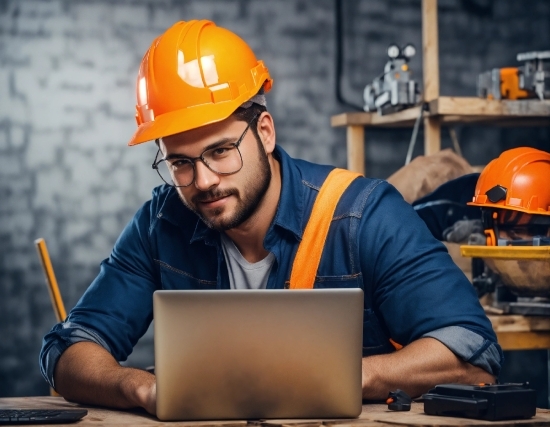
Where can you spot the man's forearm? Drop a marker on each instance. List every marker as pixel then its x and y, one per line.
pixel 87 373
pixel 416 368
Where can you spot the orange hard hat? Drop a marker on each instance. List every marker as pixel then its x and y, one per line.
pixel 194 74
pixel 519 179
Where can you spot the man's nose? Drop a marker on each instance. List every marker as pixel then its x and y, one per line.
pixel 205 179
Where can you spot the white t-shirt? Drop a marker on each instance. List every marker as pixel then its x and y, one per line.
pixel 243 274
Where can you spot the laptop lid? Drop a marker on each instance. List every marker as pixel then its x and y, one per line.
pixel 250 354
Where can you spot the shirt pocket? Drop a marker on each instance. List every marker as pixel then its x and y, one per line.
pixel 375 340
pixel 344 281
pixel 173 278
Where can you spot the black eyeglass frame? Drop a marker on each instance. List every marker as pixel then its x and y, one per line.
pixel 193 160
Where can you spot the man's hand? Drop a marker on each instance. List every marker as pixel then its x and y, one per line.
pixel 87 373
pixel 416 368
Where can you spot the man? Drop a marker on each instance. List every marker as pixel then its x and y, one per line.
pixel 232 214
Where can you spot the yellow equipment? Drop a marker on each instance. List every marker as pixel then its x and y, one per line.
pixel 525 270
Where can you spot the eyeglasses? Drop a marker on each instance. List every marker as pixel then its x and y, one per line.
pixel 224 159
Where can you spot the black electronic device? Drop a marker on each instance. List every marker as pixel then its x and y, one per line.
pixel 398 400
pixel 484 401
pixel 40 416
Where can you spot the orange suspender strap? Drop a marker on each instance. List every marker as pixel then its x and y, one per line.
pixel 308 256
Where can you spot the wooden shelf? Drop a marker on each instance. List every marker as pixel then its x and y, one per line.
pixel 457 110
pixel 403 118
pixel 471 106
pixel 442 110
pixel 522 332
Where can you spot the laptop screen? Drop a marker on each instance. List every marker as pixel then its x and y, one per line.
pixel 249 354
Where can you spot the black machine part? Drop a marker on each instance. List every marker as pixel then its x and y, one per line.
pixel 398 400
pixel 490 402
pixel 528 308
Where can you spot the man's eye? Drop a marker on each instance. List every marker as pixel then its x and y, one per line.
pixel 176 164
pixel 220 151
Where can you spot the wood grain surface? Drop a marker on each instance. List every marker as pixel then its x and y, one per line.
pixel 372 415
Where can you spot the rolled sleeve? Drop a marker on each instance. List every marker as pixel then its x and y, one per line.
pixel 117 308
pixel 61 337
pixel 470 347
pixel 417 289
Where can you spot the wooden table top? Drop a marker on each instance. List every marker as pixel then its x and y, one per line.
pixel 373 415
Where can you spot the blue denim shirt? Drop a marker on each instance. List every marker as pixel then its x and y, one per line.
pixel 376 241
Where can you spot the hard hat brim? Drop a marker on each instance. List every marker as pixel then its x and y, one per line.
pixel 510 208
pixel 183 120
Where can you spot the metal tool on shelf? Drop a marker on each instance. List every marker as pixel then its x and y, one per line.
pixel 531 80
pixel 394 89
pixel 534 76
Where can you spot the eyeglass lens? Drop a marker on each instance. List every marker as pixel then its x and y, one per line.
pixel 223 160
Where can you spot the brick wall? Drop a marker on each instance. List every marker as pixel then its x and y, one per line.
pixel 67 76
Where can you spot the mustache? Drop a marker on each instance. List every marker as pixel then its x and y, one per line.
pixel 208 196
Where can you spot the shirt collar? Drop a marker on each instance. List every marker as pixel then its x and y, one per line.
pixel 291 203
pixel 172 209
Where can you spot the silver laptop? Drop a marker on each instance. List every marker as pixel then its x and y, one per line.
pixel 253 354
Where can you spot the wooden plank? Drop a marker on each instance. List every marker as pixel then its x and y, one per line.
pixel 517 323
pixel 465 106
pixel 489 108
pixel 524 340
pixel 473 120
pixel 527 108
pixel 356 149
pixel 432 135
pixel 417 417
pixel 458 110
pixel 359 423
pixel 379 415
pixel 430 50
pixel 404 118
pixel 372 415
pixel 515 332
pixel 500 121
pixel 99 417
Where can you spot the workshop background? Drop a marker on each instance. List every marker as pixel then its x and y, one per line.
pixel 67 96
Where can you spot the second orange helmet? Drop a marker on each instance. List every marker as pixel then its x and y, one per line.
pixel 519 179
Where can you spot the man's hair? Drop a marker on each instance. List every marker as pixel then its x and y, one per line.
pixel 247 114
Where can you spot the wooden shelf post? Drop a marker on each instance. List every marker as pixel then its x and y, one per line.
pixel 356 148
pixel 430 66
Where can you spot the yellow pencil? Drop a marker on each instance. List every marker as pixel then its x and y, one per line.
pixel 55 295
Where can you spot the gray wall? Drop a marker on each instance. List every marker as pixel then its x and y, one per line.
pixel 67 78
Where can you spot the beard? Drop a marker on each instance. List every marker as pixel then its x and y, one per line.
pixel 247 202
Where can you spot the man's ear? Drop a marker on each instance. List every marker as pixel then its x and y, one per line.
pixel 266 131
